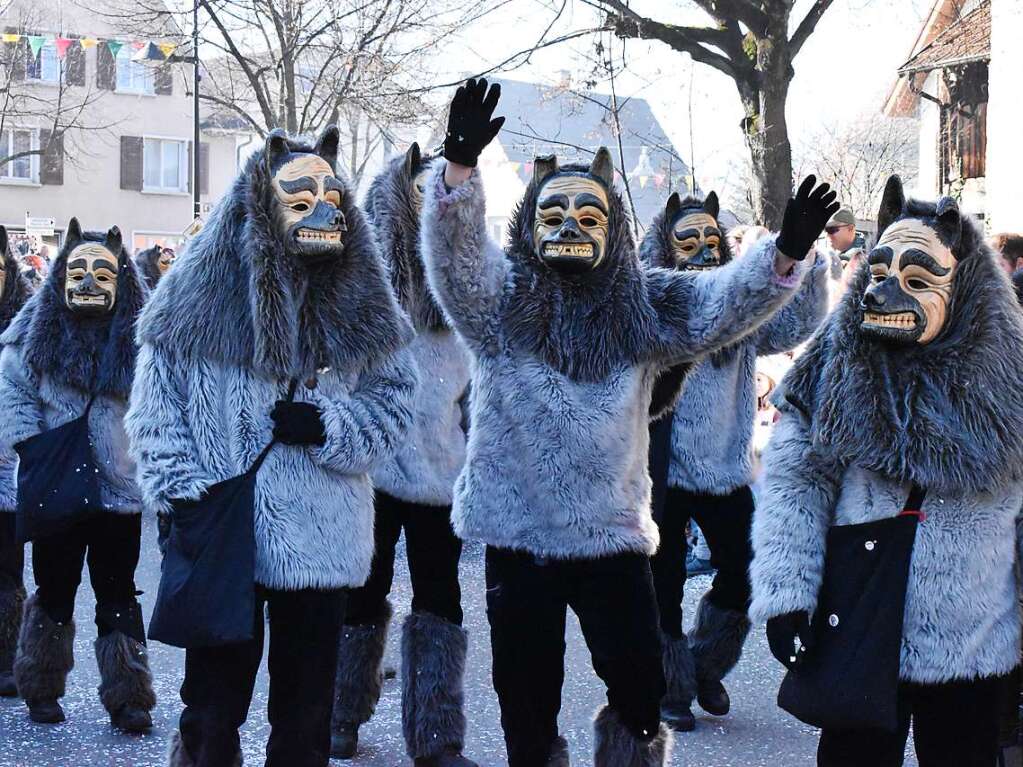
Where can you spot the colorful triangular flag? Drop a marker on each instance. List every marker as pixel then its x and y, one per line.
pixel 10 37
pixel 88 42
pixel 136 44
pixel 167 48
pixel 115 47
pixel 62 43
pixel 36 42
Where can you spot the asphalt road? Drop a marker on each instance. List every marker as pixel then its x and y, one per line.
pixel 755 734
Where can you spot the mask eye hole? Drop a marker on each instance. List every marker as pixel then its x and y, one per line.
pixel 588 221
pixel 917 284
pixel 553 220
pixel 301 207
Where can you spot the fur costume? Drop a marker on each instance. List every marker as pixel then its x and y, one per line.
pixel 45 654
pixel 564 368
pixel 146 262
pixel 862 421
pixel 208 380
pixel 359 678
pixel 51 361
pixel 125 681
pixel 615 746
pixel 424 470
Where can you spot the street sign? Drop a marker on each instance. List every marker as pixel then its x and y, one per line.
pixel 39 225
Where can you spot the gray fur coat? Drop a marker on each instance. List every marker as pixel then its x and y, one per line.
pixel 208 380
pixel 16 291
pixel 563 371
pixel 712 430
pixel 861 423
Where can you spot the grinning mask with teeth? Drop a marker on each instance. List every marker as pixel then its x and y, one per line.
pixel 912 270
pixel 166 258
pixel 570 226
pixel 90 279
pixel 308 195
pixel 695 234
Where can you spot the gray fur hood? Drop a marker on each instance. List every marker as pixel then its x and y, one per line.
pixel 16 290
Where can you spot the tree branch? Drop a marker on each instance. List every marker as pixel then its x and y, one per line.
pixel 807 26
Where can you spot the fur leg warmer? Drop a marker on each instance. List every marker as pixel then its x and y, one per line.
pixel 679 671
pixel 615 746
pixel 45 654
pixel 359 677
pixel 432 697
pixel 125 679
pixel 11 605
pixel 716 640
pixel 177 756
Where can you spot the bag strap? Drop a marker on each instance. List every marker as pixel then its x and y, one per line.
pixel 266 450
pixel 915 503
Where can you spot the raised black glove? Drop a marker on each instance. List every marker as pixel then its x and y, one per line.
pixel 782 631
pixel 805 218
pixel 298 423
pixel 470 127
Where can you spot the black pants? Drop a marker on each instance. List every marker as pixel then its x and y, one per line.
pixel 954 725
pixel 217 691
pixel 433 551
pixel 12 555
pixel 726 521
pixel 110 543
pixel 527 601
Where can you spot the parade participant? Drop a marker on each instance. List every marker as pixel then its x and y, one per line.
pixel 152 263
pixel 70 351
pixel 901 397
pixel 710 466
pixel 14 292
pixel 567 332
pixel 413 493
pixel 282 289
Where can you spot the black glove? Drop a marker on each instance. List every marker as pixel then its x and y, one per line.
pixel 782 631
pixel 806 215
pixel 470 128
pixel 298 423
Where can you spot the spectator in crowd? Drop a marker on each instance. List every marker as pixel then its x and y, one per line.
pixel 1010 247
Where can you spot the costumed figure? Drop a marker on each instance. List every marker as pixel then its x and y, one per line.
pixel 568 332
pixel 283 289
pixel 413 493
pixel 14 292
pixel 71 351
pixel 702 464
pixel 153 263
pixel 901 397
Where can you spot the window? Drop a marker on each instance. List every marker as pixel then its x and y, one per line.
pixel 46 66
pixel 22 169
pixel 164 165
pixel 132 77
pixel 143 240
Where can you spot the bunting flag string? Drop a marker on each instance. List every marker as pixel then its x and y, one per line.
pixel 63 44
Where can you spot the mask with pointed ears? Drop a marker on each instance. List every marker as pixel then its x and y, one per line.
pixel 90 278
pixel 695 233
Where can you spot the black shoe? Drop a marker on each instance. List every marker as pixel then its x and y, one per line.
pixel 559 753
pixel 45 712
pixel 8 689
pixel 390 672
pixel 344 741
pixel 678 717
pixel 697 566
pixel 451 757
pixel 713 698
pixel 133 720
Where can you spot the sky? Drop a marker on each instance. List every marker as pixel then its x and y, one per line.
pixel 843 72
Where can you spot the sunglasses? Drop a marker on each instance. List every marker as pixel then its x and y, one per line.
pixel 834 229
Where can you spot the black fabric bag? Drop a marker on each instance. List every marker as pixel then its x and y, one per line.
pixel 58 481
pixel 849 679
pixel 207 585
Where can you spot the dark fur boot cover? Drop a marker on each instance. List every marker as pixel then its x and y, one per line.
pixel 432 669
pixel 679 671
pixel 125 679
pixel 359 676
pixel 615 746
pixel 45 654
pixel 177 756
pixel 716 640
pixel 11 605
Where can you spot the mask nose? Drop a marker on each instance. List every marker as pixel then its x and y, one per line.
pixel 341 222
pixel 88 282
pixel 879 294
pixel 570 230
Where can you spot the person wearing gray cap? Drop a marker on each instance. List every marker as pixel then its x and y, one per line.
pixel 841 231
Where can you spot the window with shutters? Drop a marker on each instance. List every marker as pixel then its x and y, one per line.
pixel 963 124
pixel 24 169
pixel 133 77
pixel 164 165
pixel 44 67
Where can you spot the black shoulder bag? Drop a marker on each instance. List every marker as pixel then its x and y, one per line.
pixel 58 481
pixel 207 586
pixel 849 679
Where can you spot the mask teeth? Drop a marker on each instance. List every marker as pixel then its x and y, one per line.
pixel 578 251
pixel 898 320
pixel 315 235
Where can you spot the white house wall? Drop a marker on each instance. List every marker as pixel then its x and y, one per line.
pixel 1005 118
pixel 927 181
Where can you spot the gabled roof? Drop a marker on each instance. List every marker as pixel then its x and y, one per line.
pixel 573 123
pixel 966 40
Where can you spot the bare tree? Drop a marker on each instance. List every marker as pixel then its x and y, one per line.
pixel 858 156
pixel 751 42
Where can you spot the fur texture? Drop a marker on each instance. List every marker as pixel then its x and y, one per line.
pixel 347 321
pixel 432 695
pixel 359 677
pixel 11 605
pixel 146 265
pixel 557 464
pixel 45 654
pixel 679 671
pixel 16 290
pixel 937 415
pixel 615 746
pixel 716 640
pixel 178 757
pixel 207 382
pixel 125 679
pixel 424 470
pixel 559 756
